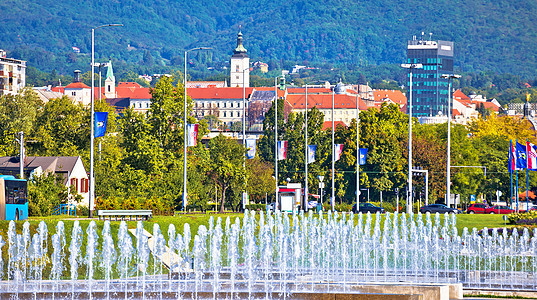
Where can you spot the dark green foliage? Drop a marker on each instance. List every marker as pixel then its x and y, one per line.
pixel 45 192
pixel 488 35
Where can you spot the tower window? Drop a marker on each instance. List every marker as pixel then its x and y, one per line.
pixel 109 88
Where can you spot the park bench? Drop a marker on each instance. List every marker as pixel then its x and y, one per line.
pixel 122 213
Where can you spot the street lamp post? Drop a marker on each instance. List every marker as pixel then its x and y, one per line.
pixel 306 153
pixel 185 131
pixel 321 186
pixel 409 201
pixel 92 137
pixel 244 131
pixel 306 188
pixel 450 78
pixel 333 200
pixel 276 138
pixel 357 153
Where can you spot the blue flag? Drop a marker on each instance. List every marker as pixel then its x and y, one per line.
pixel 100 123
pixel 363 156
pixel 311 153
pixel 521 159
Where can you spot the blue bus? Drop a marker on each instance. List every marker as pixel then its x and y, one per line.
pixel 13 198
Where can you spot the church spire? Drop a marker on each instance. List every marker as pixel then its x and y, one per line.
pixel 110 82
pixel 240 48
pixel 110 71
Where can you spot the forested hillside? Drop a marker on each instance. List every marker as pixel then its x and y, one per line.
pixel 496 36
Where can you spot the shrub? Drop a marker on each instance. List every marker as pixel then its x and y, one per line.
pixel 82 211
pixel 256 206
pixel 45 192
pixel 107 203
pixel 525 218
pixel 131 203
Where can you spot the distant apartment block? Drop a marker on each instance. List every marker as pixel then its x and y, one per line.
pixel 12 75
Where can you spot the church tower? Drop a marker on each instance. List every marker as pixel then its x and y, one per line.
pixel 110 82
pixel 240 64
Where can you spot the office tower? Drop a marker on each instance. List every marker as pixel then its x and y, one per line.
pixel 429 89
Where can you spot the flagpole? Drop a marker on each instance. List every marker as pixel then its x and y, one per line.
pixel 516 174
pixel 276 140
pixel 511 158
pixel 185 104
pixel 527 176
pixel 516 190
pixel 357 153
pixel 333 202
pixel 305 208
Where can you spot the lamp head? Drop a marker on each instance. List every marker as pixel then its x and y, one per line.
pixel 446 76
pixel 412 66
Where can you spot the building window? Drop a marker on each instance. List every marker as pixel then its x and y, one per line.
pixel 231 114
pixel 73 93
pixel 231 104
pixel 74 184
pixel 109 87
pixel 224 114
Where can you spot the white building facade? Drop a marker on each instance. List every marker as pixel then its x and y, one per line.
pixel 12 75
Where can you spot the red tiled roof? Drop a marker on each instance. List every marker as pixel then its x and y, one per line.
pixel 456 112
pixel 205 84
pixel 129 84
pixel 77 85
pixel 311 90
pixel 59 89
pixel 324 101
pixel 491 106
pixel 141 93
pixel 460 95
pixel 394 95
pixel 219 93
pixel 328 124
pixel 475 104
pixel 96 92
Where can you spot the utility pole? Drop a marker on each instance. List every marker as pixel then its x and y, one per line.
pixel 20 140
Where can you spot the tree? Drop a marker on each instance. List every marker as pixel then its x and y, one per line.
pixel 148 59
pixel 45 192
pixel 17 113
pixel 384 133
pixel 143 151
pixel 61 129
pixel 166 114
pixel 429 153
pixel 226 168
pixel 266 143
pixel 260 179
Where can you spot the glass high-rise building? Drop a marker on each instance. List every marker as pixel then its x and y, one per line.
pixel 429 89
